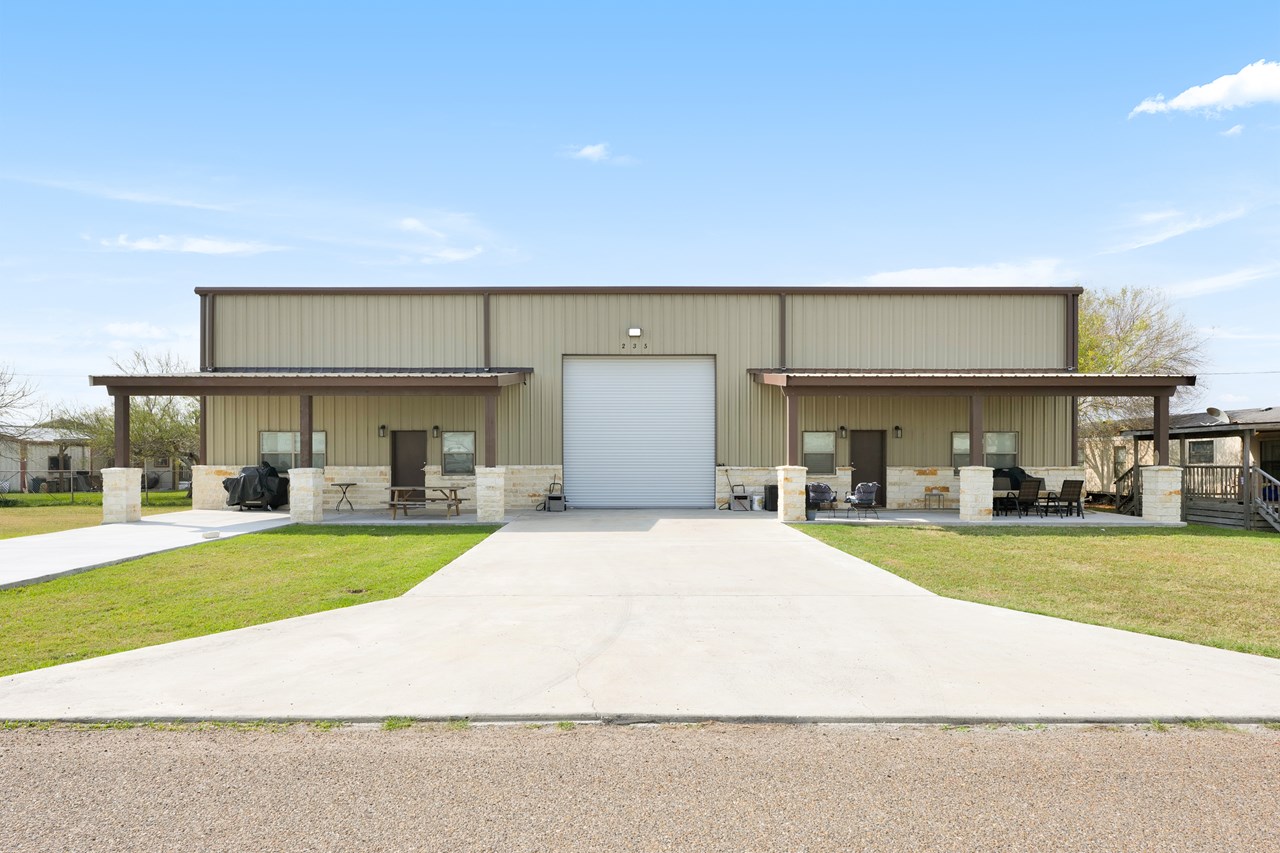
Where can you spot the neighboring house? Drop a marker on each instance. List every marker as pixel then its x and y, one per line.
pixel 34 459
pixel 637 397
pixel 1232 474
pixel 1108 457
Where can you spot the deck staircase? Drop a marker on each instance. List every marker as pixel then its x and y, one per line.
pixel 1266 497
pixel 1129 492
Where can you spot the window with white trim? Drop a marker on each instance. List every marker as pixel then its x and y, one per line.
pixel 281 450
pixel 818 451
pixel 457 453
pixel 1000 449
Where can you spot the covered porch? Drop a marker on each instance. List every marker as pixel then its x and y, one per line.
pixel 312 477
pixel 973 400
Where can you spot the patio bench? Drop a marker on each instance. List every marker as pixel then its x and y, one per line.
pixel 452 506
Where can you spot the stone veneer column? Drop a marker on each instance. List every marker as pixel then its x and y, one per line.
pixel 491 494
pixel 121 495
pixel 206 486
pixel 791 494
pixel 975 493
pixel 1162 494
pixel 306 495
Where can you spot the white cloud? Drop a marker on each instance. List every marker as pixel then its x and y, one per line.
pixel 116 194
pixel 1162 225
pixel 1234 130
pixel 438 231
pixel 1218 283
pixel 145 331
pixel 601 153
pixel 1254 84
pixel 594 153
pixel 1036 272
pixel 449 255
pixel 417 226
pixel 191 245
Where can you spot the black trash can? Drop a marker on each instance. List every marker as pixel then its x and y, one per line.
pixel 770 498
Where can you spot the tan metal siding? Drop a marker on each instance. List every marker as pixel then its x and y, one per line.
pixel 943 331
pixel 536 330
pixel 348 330
pixel 1043 425
pixel 350 424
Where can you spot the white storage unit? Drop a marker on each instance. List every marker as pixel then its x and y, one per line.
pixel 639 431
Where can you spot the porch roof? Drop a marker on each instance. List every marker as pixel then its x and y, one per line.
pixel 1233 422
pixel 318 382
pixel 838 381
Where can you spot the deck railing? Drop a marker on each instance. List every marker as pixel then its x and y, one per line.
pixel 1213 481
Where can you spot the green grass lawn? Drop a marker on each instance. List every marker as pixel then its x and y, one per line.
pixel 218 586
pixel 1200 584
pixel 28 514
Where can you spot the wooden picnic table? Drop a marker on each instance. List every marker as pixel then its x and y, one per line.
pixel 403 498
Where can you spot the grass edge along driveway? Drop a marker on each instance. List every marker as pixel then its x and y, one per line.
pixel 219 586
pixel 1198 584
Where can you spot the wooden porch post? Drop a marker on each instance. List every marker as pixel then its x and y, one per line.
pixel 977 448
pixel 490 430
pixel 793 428
pixel 305 431
pixel 1246 475
pixel 1161 429
pixel 203 450
pixel 122 431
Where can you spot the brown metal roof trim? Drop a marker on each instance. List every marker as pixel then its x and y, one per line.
pixel 285 383
pixel 710 290
pixel 1032 382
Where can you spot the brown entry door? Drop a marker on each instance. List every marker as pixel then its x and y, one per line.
pixel 408 456
pixel 866 455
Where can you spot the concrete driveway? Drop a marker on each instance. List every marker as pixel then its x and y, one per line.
pixel 672 615
pixel 33 559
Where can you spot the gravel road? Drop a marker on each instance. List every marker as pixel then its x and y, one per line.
pixel 704 788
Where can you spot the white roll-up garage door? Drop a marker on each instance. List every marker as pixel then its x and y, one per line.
pixel 639 432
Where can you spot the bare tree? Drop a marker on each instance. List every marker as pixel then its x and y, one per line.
pixel 17 395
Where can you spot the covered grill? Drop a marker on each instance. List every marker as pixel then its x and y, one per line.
pixel 257 488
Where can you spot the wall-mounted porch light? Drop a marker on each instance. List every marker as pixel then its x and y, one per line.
pixel 844 433
pixel 635 332
pixel 897 432
pixel 435 432
pixel 382 430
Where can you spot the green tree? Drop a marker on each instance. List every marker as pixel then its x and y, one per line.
pixel 1134 330
pixel 158 426
pixel 1131 330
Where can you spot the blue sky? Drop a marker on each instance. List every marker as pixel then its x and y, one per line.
pixel 151 148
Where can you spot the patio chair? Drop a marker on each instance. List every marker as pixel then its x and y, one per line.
pixel 819 496
pixel 1029 497
pixel 863 499
pixel 1004 500
pixel 1067 500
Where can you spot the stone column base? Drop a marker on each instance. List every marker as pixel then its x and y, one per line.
pixel 121 495
pixel 975 493
pixel 306 495
pixel 206 486
pixel 491 494
pixel 791 492
pixel 1162 494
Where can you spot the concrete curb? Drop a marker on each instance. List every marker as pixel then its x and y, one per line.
pixel 658 719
